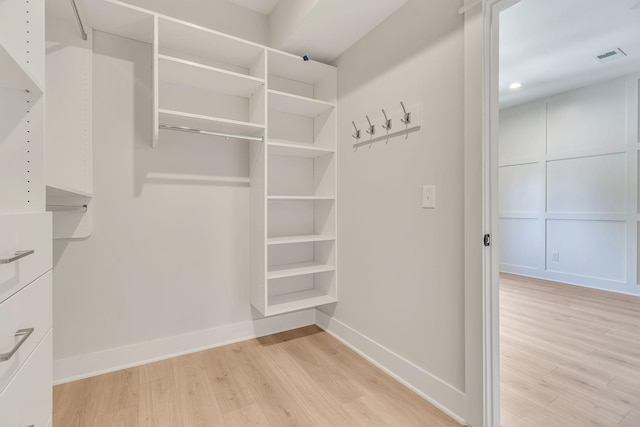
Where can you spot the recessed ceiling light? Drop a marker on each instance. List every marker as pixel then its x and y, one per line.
pixel 515 85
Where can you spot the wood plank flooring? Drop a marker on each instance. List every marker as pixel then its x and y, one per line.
pixel 570 356
pixel 302 377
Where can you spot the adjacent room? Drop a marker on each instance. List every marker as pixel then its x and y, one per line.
pixel 568 213
pixel 274 213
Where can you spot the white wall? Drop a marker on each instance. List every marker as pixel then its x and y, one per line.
pixel 402 267
pixel 569 185
pixel 169 254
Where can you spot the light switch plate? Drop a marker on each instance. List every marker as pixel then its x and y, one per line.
pixel 429 197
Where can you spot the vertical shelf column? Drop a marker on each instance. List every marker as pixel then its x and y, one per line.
pixel 300 188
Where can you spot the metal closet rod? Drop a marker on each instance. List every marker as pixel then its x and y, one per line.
pixel 75 10
pixel 206 132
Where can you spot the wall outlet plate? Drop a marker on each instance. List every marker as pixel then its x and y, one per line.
pixel 429 196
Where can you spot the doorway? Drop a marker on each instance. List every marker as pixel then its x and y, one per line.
pixel 565 210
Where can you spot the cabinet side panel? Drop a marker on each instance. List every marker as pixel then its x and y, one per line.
pixel 258 225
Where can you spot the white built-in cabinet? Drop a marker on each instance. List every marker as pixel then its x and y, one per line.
pixel 25 227
pixel 208 82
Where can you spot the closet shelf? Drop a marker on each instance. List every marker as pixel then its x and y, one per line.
pixel 293 67
pixel 298 269
pixel 301 197
pixel 13 76
pixel 282 148
pixel 208 123
pixel 298 105
pixel 180 71
pixel 279 304
pixel 299 239
pixel 175 35
pixel 123 19
pixel 63 198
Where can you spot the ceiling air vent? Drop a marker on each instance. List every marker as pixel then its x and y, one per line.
pixel 611 55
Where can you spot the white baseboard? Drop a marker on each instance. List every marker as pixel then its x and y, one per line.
pixel 102 362
pixel 444 396
pixel 573 279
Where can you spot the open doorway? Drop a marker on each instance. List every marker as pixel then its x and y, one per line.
pixel 568 213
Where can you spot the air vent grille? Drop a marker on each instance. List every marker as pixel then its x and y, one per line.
pixel 611 55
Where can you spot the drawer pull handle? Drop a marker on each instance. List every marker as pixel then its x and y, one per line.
pixel 23 334
pixel 17 256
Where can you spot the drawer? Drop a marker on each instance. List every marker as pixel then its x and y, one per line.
pixel 27 400
pixel 29 308
pixel 23 232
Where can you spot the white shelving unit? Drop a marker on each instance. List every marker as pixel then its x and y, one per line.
pixel 300 184
pixel 286 107
pixel 198 70
pixel 25 228
pixel 21 106
pixel 69 130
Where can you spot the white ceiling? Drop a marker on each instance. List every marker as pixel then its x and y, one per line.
pixel 549 45
pixel 264 7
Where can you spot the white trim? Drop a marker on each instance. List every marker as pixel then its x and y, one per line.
pixel 450 400
pixel 114 359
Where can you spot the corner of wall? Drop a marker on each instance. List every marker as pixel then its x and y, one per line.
pixel 440 394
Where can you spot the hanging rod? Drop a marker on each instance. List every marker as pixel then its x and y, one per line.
pixel 66 208
pixel 75 10
pixel 206 132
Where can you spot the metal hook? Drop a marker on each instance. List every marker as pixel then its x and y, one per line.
pixel 387 121
pixel 372 128
pixel 357 134
pixel 407 116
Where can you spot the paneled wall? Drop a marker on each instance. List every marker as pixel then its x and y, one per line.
pixel 569 187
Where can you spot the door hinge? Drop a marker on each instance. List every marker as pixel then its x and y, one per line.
pixel 487 239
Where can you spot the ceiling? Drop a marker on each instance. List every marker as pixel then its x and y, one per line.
pixel 264 7
pixel 550 46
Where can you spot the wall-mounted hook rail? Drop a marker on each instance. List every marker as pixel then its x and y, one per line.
pixel 357 134
pixel 372 128
pixel 407 115
pixel 387 121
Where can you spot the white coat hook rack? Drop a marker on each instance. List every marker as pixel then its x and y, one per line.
pixel 409 115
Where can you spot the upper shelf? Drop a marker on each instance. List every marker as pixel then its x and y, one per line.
pixel 293 67
pixel 209 46
pixel 282 148
pixel 208 123
pixel 116 17
pixel 175 70
pixel 13 76
pixel 298 105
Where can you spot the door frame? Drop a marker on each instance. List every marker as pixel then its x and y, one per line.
pixel 491 265
pixel 482 377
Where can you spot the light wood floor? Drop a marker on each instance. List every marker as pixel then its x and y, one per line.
pixel 570 356
pixel 303 377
